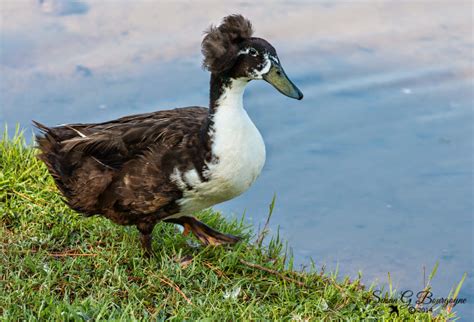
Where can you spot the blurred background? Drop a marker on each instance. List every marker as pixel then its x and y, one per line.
pixel 372 171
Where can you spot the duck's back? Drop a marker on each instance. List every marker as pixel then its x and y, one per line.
pixel 122 168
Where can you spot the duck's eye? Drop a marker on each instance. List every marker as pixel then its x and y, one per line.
pixel 253 52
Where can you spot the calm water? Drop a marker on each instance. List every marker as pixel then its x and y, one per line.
pixel 373 170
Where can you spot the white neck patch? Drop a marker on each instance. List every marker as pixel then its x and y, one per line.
pixel 233 94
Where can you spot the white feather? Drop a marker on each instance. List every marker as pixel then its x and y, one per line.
pixel 238 156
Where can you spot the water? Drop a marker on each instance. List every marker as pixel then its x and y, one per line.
pixel 373 170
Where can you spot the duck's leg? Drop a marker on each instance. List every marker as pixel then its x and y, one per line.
pixel 146 230
pixel 204 233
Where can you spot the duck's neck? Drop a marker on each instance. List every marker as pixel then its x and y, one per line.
pixel 226 93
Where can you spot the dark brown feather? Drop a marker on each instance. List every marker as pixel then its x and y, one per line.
pixel 121 169
pixel 220 45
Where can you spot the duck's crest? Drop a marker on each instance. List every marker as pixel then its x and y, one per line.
pixel 220 45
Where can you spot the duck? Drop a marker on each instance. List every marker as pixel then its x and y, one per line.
pixel 167 165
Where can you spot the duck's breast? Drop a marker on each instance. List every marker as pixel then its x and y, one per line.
pixel 238 157
pixel 238 150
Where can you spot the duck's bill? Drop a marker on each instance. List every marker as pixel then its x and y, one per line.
pixel 277 77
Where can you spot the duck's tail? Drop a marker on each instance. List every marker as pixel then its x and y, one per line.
pixel 80 177
pixel 50 146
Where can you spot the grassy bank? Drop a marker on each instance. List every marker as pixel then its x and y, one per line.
pixel 55 264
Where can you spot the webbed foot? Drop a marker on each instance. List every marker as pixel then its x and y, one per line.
pixel 204 233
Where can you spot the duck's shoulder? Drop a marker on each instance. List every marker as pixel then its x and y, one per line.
pixel 127 136
pixel 166 127
pixel 190 114
pixel 143 126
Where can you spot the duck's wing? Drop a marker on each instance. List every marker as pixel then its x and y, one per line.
pixel 116 142
pixel 86 159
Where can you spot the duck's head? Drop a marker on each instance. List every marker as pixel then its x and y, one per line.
pixel 230 50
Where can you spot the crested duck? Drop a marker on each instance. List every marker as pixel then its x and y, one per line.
pixel 166 165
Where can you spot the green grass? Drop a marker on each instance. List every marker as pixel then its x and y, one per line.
pixel 57 265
